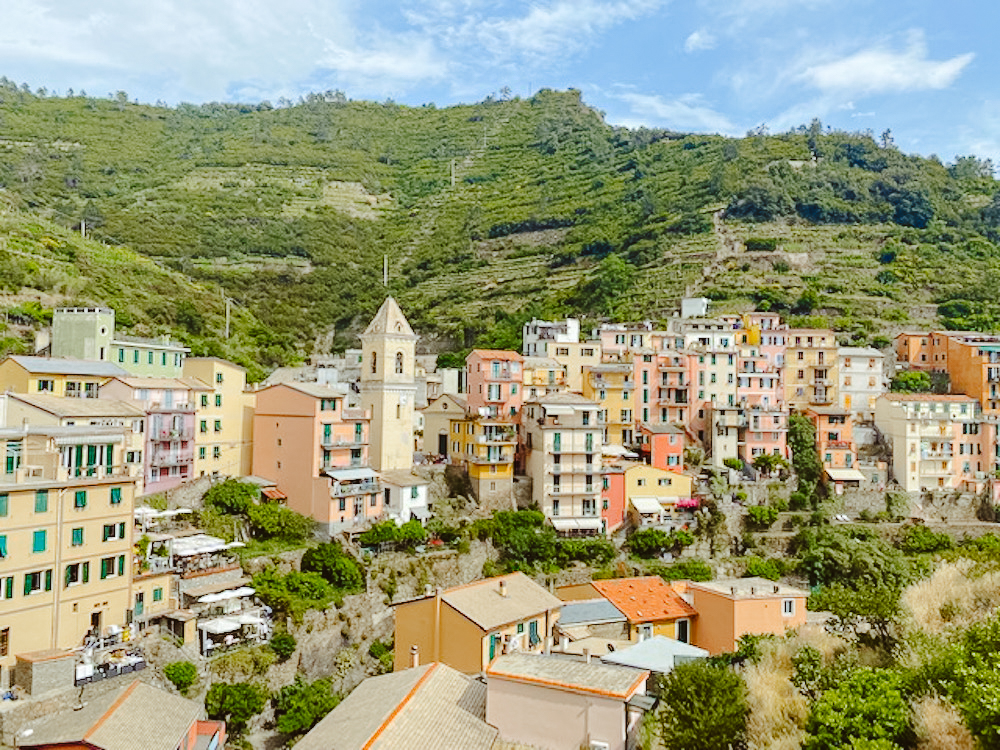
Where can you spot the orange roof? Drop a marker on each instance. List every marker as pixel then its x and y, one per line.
pixel 647 599
pixel 498 354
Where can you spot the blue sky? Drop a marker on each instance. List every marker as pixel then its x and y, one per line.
pixel 919 68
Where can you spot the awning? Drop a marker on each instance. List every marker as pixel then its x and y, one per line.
pixel 228 594
pixel 557 410
pixel 274 493
pixel 196 592
pixel 249 620
pixel 222 625
pixel 646 505
pixel 197 544
pixel 420 512
pixel 576 524
pixel 350 475
pixel 846 475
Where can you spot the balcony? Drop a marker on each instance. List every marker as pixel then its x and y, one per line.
pixel 338 441
pixel 497 438
pixel 359 488
pixel 172 458
pixel 182 434
pixel 731 420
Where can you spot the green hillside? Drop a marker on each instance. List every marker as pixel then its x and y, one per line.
pixel 487 212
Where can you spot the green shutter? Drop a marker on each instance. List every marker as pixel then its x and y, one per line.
pixel 3 545
pixel 493 647
pixel 104 568
pixel 48 579
pixel 38 541
pixel 9 588
pixel 106 532
pixel 86 572
pixel 27 583
pixel 157 594
pixel 78 537
pixel 41 501
pixel 91 460
pixel 80 499
pixel 110 450
pixel 66 584
pixel 3 504
pixel 116 495
pixel 121 565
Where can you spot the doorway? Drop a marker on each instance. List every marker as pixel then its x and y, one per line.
pixel 443 445
pixel 95 623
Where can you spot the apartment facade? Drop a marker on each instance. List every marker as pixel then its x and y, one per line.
pixel 537 334
pixel 437 416
pixel 574 357
pixel 486 447
pixel 631 488
pixel 811 376
pixel 938 442
pixel 861 380
pixel 834 436
pixel 317 451
pixel 662 445
pixel 223 442
pixel 495 380
pixel 610 386
pixel 68 378
pixel 65 538
pixel 563 444
pixel 542 375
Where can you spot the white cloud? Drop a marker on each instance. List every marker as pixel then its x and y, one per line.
pixel 699 40
pixel 687 112
pixel 880 70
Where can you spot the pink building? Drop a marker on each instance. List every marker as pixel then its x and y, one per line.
pixel 494 379
pixel 169 403
pixel 316 451
pixel 676 374
pixel 662 445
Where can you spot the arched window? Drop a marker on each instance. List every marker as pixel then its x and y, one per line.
pixel 399 363
pixel 374 361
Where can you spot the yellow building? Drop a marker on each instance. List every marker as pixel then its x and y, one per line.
pixel 574 357
pixel 810 368
pixel 469 626
pixel 65 538
pixel 437 416
pixel 223 436
pixel 74 378
pixel 610 386
pixel 486 445
pixel 541 375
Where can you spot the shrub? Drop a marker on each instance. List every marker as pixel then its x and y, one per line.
pixel 691 570
pixel 232 497
pixel 917 539
pixel 243 664
pixel 335 565
pixel 273 521
pixel 762 516
pixel 704 707
pixel 733 463
pixel 912 381
pixel 764 244
pixel 770 569
pixel 235 704
pixel 293 593
pixel 183 674
pixel 299 707
pixel 867 706
pixel 383 651
pixel 283 644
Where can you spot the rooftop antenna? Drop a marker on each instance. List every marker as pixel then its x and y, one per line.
pixel 385 271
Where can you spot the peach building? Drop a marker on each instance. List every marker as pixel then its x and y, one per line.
pixel 937 441
pixel 662 446
pixel 834 436
pixel 974 369
pixel 467 627
pixel 731 608
pixel 913 350
pixel 676 374
pixel 561 703
pixel 495 381
pixel 316 450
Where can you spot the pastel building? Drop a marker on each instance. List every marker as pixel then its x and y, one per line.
pixel 89 333
pixel 542 375
pixel 486 447
pixel 811 368
pixel 938 442
pixel 974 368
pixel 563 444
pixel 677 375
pixel 169 405
pixel 495 380
pixel 437 416
pixel 643 494
pixel 662 445
pixel 575 357
pixel 610 386
pixel 65 537
pixel 538 334
pixel 861 380
pixel 468 627
pixel 731 608
pixel 835 442
pixel 69 378
pixel 224 414
pixel 316 450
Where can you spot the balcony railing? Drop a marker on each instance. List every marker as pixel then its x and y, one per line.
pixel 184 433
pixel 174 458
pixel 339 441
pixel 342 490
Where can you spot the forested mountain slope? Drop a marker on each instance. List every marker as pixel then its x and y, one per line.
pixel 487 212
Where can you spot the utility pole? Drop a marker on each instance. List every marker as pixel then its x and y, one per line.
pixel 229 303
pixel 385 271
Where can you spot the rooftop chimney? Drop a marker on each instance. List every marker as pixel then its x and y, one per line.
pixel 427 589
pixel 503 588
pixel 414 657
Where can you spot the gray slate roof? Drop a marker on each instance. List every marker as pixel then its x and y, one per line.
pixel 589 611
pixel 657 654
pixel 140 717
pixel 564 672
pixel 432 707
pixel 61 366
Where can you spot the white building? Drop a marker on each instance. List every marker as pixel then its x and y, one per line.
pixel 538 333
pixel 861 380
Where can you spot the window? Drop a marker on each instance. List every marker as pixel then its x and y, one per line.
pixel 158 594
pixel 38 541
pixel 218 425
pixel 374 363
pixel 77 537
pixel 201 452
pixel 46 386
pixel 80 499
pixel 555 506
pixel 788 607
pixel 641 482
pixel 77 573
pixel 204 400
pixel 6 591
pixel 163 359
pixel 116 495
pixel 203 426
pixel 557 441
pixel 37 581
pixel 342 504
pixel 113 532
pixel 3 504
pixel 109 568
pixel 121 355
pixel 3 546
pixel 664 482
pixel 399 363
pixel 218 399
pixel 682 630
pixel 216 451
pixel 41 501
pixel 135 356
pixel 5 638
pixel 149 358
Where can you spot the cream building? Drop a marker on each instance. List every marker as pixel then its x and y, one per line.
pixel 611 386
pixel 65 538
pixel 563 443
pixel 388 387
pixel 860 379
pixel 223 435
pixel 810 368
pixel 575 357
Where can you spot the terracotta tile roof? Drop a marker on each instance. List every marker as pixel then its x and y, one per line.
pixel 647 599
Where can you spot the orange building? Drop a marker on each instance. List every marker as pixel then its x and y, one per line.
pixel 316 451
pixel 913 350
pixel 662 445
pixel 730 608
pixel 834 436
